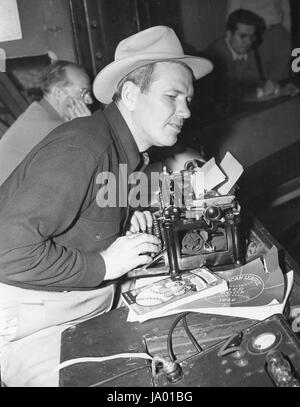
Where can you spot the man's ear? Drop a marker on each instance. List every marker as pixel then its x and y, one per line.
pixel 56 92
pixel 129 95
pixel 228 35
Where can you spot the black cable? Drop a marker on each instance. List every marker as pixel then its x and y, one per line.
pixel 191 336
pixel 189 333
pixel 169 339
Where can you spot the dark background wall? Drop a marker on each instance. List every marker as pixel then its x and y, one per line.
pixel 202 21
pixel 46 25
pixel 89 30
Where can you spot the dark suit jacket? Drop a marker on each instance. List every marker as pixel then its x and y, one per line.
pixel 232 80
pixel 27 131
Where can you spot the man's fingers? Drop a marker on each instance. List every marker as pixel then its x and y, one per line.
pixel 140 221
pixel 141 238
pixel 141 260
pixel 135 226
pixel 82 110
pixel 149 220
pixel 147 248
pixel 133 249
pixel 77 108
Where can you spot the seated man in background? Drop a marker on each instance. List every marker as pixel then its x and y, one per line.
pixel 236 73
pixel 66 94
pixel 275 47
pixel 63 246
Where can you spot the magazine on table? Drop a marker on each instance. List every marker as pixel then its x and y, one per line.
pixel 256 290
pixel 155 299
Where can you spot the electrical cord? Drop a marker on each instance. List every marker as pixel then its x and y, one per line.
pixel 190 335
pixel 171 369
pixel 101 359
pixel 170 333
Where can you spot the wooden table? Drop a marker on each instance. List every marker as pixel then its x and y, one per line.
pixel 111 334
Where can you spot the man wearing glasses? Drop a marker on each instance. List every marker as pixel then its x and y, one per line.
pixel 66 95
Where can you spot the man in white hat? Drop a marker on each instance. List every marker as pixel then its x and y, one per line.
pixel 62 247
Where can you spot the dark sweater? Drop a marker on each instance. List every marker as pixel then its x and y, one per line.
pixel 51 228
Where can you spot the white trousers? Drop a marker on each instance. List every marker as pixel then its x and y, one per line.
pixel 31 323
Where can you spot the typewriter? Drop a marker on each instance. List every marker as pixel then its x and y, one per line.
pixel 195 229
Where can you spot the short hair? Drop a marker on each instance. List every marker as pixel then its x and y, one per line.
pixel 143 77
pixel 56 73
pixel 242 16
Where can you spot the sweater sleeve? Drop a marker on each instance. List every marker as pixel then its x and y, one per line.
pixel 43 206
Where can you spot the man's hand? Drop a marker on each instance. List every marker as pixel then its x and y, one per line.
pixel 76 108
pixel 269 90
pixel 140 222
pixel 127 253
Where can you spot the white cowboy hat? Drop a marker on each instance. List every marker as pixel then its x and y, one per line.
pixel 154 44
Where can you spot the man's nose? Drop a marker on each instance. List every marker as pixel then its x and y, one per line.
pixel 248 40
pixel 184 111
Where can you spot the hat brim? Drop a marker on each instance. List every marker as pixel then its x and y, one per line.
pixel 107 80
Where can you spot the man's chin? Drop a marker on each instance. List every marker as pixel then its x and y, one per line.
pixel 170 141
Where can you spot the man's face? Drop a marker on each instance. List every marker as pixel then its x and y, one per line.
pixel 242 39
pixel 78 90
pixel 159 113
